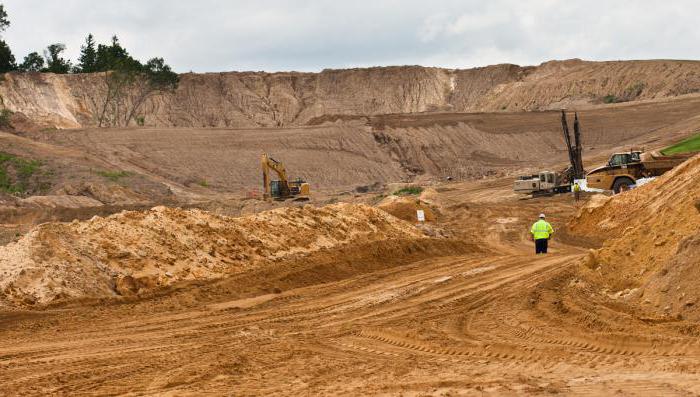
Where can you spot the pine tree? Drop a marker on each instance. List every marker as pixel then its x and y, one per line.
pixel 87 62
pixel 4 22
pixel 115 58
pixel 7 60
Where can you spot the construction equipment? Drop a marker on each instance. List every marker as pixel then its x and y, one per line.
pixel 549 182
pixel 624 169
pixel 542 184
pixel 576 170
pixel 281 189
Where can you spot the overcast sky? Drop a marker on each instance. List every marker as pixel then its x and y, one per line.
pixel 274 35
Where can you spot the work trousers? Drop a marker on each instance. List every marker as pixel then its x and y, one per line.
pixel 541 246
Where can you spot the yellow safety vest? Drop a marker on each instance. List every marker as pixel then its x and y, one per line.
pixel 576 187
pixel 541 229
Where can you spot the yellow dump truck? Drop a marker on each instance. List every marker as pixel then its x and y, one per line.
pixel 624 169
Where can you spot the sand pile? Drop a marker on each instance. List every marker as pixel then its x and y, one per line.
pixel 135 251
pixel 652 247
pixel 406 208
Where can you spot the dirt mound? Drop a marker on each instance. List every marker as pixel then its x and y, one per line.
pixel 652 251
pixel 257 99
pixel 406 208
pixel 62 201
pixel 133 251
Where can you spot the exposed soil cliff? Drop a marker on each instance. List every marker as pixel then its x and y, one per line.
pixel 652 250
pixel 253 99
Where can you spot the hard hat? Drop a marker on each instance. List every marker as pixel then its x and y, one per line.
pixel 542 216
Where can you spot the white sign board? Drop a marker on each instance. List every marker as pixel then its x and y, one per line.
pixel 420 214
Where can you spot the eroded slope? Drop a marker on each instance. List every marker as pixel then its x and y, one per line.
pixel 652 242
pixel 255 99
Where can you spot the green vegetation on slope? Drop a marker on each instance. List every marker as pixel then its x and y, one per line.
pixel 114 176
pixel 16 174
pixel 408 191
pixel 5 121
pixel 689 145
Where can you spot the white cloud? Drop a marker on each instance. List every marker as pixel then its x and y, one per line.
pixel 307 35
pixel 466 23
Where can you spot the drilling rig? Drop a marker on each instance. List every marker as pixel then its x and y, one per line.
pixel 575 169
pixel 550 182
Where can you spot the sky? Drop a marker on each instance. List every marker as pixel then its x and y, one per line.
pixel 276 35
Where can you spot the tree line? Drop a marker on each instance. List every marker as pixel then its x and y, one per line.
pixel 128 83
pixel 93 58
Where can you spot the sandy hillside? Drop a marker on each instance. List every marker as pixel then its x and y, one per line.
pixel 341 154
pixel 652 246
pixel 257 99
pixel 131 251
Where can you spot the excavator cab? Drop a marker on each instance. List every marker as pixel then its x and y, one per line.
pixel 299 187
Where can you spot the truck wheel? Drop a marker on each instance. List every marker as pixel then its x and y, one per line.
pixel 622 184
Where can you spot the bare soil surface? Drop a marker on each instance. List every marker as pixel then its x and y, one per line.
pixel 195 164
pixel 404 319
pixel 353 298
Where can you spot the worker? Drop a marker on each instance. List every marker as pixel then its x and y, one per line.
pixel 577 191
pixel 541 232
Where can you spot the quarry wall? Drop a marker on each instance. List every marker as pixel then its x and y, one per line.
pixel 258 99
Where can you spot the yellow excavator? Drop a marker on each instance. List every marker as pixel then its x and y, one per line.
pixel 281 189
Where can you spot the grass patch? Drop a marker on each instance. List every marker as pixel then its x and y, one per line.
pixel 16 172
pixel 408 191
pixel 114 176
pixel 5 115
pixel 203 183
pixel 689 145
pixel 610 99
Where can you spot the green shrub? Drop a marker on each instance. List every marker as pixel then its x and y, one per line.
pixel 114 176
pixel 5 115
pixel 633 91
pixel 610 99
pixel 23 170
pixel 408 191
pixel 629 94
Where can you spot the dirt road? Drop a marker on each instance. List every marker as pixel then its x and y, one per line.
pixel 497 322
